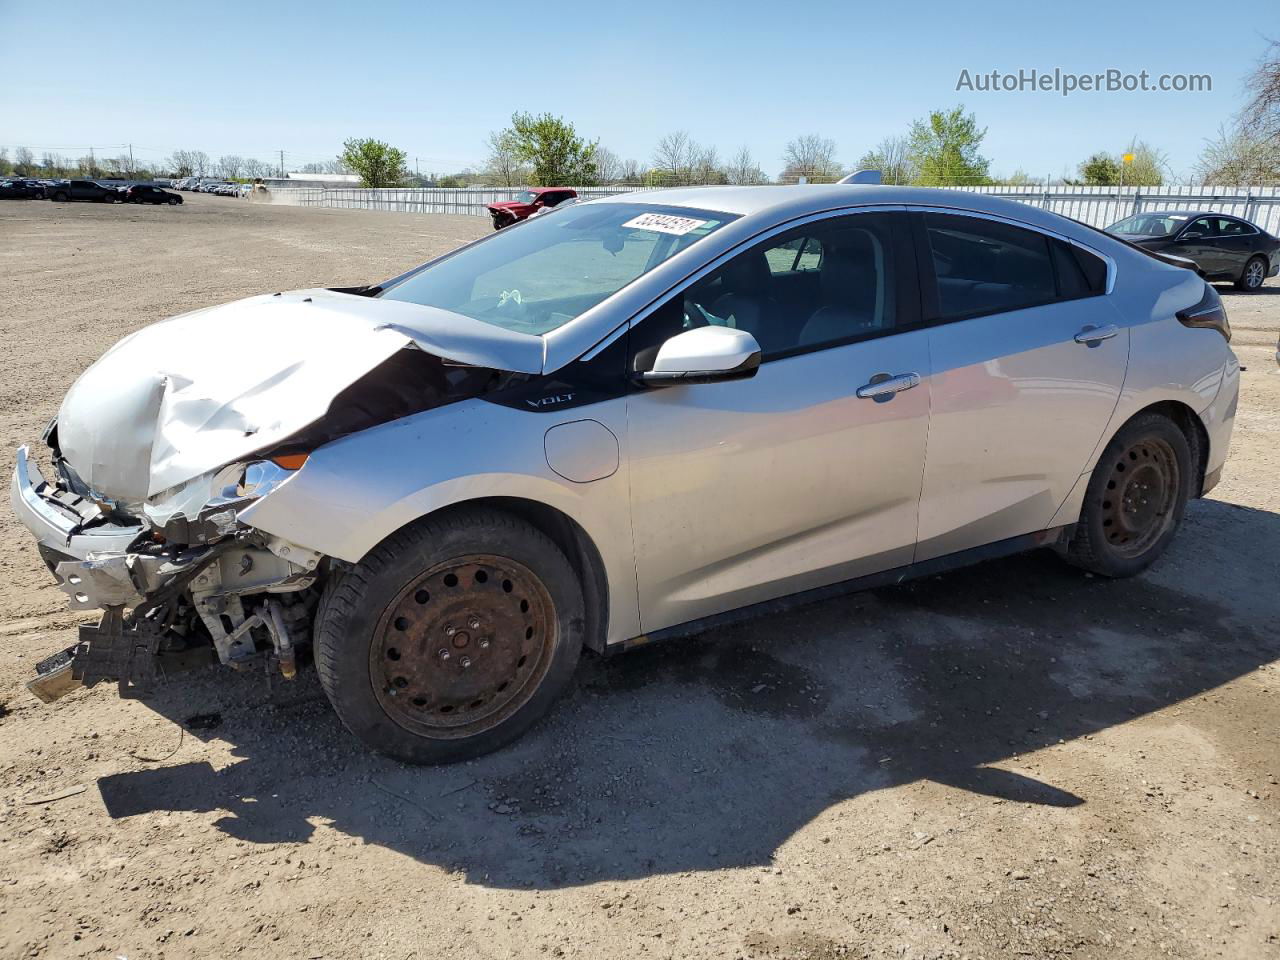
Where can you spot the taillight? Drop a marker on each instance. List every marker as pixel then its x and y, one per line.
pixel 1209 312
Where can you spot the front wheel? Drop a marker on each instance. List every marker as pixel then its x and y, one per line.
pixel 1135 500
pixel 451 638
pixel 174 201
pixel 1255 272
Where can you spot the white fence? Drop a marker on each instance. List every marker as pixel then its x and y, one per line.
pixel 1097 206
pixel 463 200
pixel 1101 206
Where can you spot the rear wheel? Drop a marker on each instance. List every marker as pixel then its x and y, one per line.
pixel 1255 272
pixel 1135 500
pixel 60 197
pixel 451 638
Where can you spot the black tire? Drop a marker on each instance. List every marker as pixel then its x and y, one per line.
pixel 108 198
pixel 60 197
pixel 1135 500
pixel 394 642
pixel 174 201
pixel 1254 274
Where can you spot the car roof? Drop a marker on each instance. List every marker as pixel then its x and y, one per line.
pixel 1189 214
pixel 781 203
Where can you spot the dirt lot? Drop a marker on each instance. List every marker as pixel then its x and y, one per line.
pixel 1010 761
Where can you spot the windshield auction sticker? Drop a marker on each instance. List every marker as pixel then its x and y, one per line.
pixel 664 223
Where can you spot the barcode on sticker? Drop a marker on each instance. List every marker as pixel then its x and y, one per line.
pixel 664 223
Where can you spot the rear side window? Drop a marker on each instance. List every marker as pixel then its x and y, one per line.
pixel 1233 228
pixel 982 266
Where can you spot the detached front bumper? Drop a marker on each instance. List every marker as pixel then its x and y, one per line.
pixel 66 527
pixel 90 556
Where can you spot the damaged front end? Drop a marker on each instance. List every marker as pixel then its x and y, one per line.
pixel 161 445
pixel 223 593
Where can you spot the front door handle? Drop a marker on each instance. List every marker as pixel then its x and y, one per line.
pixel 1095 335
pixel 883 386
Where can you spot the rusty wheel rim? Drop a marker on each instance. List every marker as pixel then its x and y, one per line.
pixel 1141 495
pixel 463 646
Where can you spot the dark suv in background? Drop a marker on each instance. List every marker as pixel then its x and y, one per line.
pixel 83 190
pixel 21 188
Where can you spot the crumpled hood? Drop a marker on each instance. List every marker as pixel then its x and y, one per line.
pixel 191 394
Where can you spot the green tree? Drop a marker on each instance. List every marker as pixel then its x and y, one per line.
pixel 378 164
pixel 1100 170
pixel 944 150
pixel 1148 166
pixel 551 146
pixel 892 157
pixel 24 162
pixel 1240 156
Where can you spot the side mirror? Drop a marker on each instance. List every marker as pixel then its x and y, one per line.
pixel 704 355
pixel 1192 235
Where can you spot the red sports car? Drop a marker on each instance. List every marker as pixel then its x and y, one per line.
pixel 527 203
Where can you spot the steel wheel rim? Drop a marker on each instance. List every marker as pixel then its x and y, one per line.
pixel 1140 497
pixel 1255 274
pixel 463 646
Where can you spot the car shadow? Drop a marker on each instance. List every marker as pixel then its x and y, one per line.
pixel 712 752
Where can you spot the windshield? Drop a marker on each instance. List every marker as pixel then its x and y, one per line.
pixel 539 275
pixel 526 196
pixel 1149 225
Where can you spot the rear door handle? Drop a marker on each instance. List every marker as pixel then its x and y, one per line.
pixel 883 386
pixel 1092 335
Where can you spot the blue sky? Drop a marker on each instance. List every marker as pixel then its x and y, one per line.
pixel 434 79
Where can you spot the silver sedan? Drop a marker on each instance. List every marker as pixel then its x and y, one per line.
pixel 621 423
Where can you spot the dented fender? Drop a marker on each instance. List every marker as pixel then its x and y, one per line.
pixel 354 492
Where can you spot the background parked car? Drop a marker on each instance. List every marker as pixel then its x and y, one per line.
pixel 19 188
pixel 526 203
pixel 143 193
pixel 1222 246
pixel 83 190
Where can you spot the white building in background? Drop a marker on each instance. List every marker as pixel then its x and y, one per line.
pixel 295 179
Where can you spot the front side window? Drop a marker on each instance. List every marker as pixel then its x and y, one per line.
pixel 982 266
pixel 828 283
pixel 539 275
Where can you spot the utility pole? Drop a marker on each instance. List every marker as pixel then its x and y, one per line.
pixel 131 166
pixel 281 164
pixel 93 163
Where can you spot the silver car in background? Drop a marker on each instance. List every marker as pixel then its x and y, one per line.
pixel 621 423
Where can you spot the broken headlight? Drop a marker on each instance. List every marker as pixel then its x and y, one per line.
pixel 262 476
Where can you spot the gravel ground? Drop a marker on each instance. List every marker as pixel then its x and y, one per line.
pixel 1010 761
